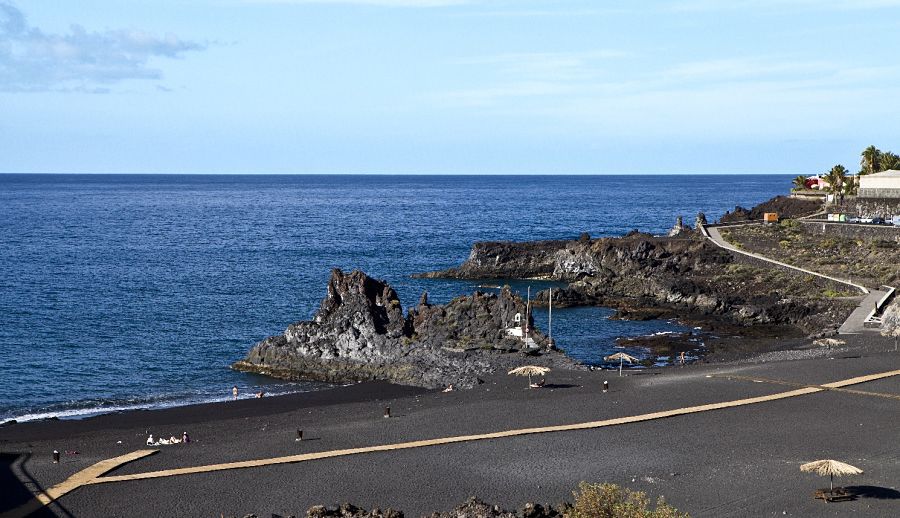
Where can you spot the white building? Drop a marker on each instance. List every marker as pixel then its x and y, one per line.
pixel 880 185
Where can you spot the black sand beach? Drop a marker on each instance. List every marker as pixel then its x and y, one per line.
pixel 740 461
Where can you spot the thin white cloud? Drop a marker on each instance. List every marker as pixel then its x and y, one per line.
pixel 80 60
pixel 381 3
pixel 780 5
pixel 735 96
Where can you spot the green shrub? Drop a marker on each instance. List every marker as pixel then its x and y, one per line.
pixel 612 501
pixel 789 223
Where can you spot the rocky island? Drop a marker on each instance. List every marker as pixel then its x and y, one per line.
pixel 360 333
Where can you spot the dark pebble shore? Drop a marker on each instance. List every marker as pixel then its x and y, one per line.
pixel 734 462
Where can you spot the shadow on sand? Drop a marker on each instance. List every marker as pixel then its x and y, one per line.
pixel 19 486
pixel 880 493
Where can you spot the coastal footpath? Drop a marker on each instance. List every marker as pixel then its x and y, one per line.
pixel 682 276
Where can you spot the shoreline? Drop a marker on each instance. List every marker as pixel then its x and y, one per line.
pixel 672 457
pixel 373 391
pixel 50 428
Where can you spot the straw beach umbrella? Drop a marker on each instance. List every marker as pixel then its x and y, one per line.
pixel 622 357
pixel 830 468
pixel 529 370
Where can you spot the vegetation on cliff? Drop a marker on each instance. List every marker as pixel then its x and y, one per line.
pixel 870 261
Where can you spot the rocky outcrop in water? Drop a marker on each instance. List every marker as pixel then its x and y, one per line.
pixel 360 333
pixel 679 227
pixel 643 276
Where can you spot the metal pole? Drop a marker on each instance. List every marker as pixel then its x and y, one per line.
pixel 550 318
pixel 527 315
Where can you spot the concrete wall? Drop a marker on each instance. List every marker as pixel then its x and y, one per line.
pixel 852 231
pixel 879 192
pixel 878 186
pixel 868 207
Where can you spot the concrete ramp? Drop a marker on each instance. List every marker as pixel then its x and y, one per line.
pixel 856 322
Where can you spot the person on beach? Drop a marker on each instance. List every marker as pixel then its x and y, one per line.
pixel 150 441
pixel 260 394
pixel 234 392
pixel 185 438
pixel 449 388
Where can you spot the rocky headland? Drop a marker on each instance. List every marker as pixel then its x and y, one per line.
pixel 361 333
pixel 680 276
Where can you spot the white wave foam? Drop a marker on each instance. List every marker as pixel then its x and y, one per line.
pixel 83 413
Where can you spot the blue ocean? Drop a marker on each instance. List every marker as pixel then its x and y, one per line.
pixel 133 291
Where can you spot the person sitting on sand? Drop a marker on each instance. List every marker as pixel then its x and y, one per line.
pixel 538 384
pixel 185 438
pixel 449 388
pixel 151 441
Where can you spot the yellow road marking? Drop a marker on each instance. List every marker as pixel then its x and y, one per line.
pixel 493 435
pixel 805 385
pixel 92 476
pixel 77 480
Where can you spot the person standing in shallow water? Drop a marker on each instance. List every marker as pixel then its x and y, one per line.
pixel 234 392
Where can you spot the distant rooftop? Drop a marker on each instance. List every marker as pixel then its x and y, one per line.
pixel 889 173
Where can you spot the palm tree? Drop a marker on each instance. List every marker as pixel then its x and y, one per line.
pixel 887 161
pixel 800 182
pixel 851 185
pixel 870 159
pixel 836 179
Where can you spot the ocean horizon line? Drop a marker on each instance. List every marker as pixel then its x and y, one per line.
pixel 386 174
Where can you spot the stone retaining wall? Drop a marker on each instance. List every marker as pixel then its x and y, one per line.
pixel 852 230
pixel 868 207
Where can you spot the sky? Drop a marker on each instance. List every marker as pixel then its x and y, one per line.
pixel 446 86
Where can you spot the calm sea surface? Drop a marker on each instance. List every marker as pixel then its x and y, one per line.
pixel 121 291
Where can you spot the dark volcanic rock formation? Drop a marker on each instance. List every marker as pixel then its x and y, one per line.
pixel 643 276
pixel 503 259
pixel 785 206
pixel 360 333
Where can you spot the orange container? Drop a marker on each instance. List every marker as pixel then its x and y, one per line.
pixel 770 217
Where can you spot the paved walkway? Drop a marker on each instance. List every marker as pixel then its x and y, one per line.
pixel 855 323
pixel 713 234
pixel 72 483
pixel 93 474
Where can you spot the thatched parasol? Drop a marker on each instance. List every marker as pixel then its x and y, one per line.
pixel 529 370
pixel 622 357
pixel 830 468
